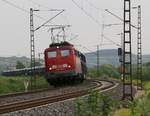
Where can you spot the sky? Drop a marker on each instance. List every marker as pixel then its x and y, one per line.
pixel 85 30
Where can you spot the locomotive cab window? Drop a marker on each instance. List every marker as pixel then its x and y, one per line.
pixel 65 53
pixel 52 54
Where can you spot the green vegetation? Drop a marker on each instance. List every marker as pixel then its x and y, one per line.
pixel 122 112
pixel 37 63
pixel 17 84
pixel 146 72
pixel 108 71
pixel 147 87
pixel 103 105
pixel 95 105
pixel 19 65
pixel 9 63
pixel 140 107
pixel 105 71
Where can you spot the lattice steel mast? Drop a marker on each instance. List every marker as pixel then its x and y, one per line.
pixel 139 51
pixel 127 54
pixel 32 44
pixel 32 47
pixel 98 58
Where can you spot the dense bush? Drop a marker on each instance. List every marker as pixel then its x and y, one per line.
pixel 108 70
pixel 19 65
pixel 16 84
pixel 104 72
pixel 141 107
pixel 95 105
pixel 145 71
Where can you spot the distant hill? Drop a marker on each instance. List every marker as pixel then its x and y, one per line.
pixel 9 63
pixel 110 56
pixel 107 56
pixel 146 58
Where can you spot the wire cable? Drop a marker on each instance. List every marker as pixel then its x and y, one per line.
pixel 96 21
pixel 118 17
pixel 92 5
pixel 22 9
pixel 49 20
pixel 43 6
pixel 112 41
pixel 40 5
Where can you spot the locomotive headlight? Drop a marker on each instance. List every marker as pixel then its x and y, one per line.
pixel 50 68
pixel 69 66
pixel 64 65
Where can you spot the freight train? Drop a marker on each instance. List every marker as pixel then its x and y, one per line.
pixel 63 63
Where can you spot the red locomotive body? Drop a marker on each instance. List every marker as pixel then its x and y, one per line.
pixel 63 62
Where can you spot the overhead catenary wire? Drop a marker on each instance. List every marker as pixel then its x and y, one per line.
pixel 96 21
pixel 47 9
pixel 40 5
pixel 103 25
pixel 89 50
pixel 49 20
pixel 92 5
pixel 22 9
pixel 118 17
pixel 112 41
pixel 43 6
pixel 86 49
pixel 93 52
pixel 26 11
pixel 16 6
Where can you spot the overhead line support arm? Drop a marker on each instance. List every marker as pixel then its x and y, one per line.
pixel 48 20
pixel 119 18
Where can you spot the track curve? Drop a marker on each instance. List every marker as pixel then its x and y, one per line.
pixel 100 86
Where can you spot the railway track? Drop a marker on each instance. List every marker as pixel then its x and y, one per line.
pixel 29 92
pixel 46 100
pixel 17 97
pixel 25 93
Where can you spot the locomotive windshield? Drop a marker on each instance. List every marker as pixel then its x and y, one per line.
pixel 65 53
pixel 52 54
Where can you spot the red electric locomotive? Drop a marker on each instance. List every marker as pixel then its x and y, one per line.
pixel 63 63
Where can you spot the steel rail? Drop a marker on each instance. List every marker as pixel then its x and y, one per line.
pixel 46 100
pixel 26 93
pixel 29 92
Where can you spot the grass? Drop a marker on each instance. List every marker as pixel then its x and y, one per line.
pixel 147 87
pixel 16 84
pixel 122 112
pixel 126 112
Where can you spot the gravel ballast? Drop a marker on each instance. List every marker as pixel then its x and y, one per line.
pixel 63 108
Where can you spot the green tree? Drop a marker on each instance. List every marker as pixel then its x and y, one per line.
pixel 38 63
pixel 105 71
pixel 140 107
pixel 147 64
pixel 19 65
pixel 95 105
